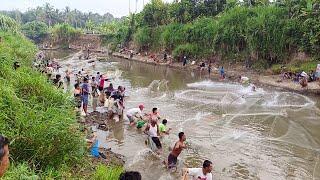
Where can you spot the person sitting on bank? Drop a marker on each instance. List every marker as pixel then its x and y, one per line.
pixel 4 155
pixel 203 173
pixel 163 128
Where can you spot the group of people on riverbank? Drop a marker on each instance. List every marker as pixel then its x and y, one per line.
pixel 301 78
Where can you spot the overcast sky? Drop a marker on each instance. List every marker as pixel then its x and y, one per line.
pixel 118 8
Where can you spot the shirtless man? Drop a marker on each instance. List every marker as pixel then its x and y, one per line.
pixel 178 147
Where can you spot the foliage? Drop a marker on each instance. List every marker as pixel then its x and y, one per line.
pixel 107 172
pixel 35 30
pixel 189 50
pixel 37 118
pixel 64 32
pixel 52 16
pixel 8 24
pixel 21 171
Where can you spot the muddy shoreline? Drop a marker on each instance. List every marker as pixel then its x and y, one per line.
pixel 256 78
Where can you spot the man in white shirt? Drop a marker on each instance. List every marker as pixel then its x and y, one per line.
pixel 134 113
pixel 203 173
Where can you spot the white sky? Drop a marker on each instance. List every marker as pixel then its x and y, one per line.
pixel 118 8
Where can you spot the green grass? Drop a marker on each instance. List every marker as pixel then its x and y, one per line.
pixel 107 172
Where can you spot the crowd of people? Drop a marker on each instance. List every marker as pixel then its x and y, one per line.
pixel 301 78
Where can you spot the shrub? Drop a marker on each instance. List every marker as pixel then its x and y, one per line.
pixel 107 172
pixel 38 119
pixel 189 50
pixel 8 24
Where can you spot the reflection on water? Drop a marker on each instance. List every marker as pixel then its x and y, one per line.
pixel 265 134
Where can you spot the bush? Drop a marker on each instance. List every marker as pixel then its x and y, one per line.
pixel 35 30
pixel 36 117
pixel 8 24
pixel 21 171
pixel 189 50
pixel 107 173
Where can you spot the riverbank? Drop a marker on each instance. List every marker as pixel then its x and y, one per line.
pixel 232 75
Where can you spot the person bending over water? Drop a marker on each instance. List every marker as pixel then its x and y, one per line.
pixel 203 173
pixel 176 151
pixel 152 130
pixel 135 113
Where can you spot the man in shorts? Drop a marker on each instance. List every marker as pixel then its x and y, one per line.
pixel 177 149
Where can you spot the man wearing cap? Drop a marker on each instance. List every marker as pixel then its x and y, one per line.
pixel 135 113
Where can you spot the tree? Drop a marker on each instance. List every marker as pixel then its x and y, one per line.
pixel 35 30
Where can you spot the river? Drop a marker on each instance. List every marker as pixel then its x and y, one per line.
pixel 267 134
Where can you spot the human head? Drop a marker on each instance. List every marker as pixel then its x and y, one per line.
pixel 111 85
pixel 182 137
pixel 141 107
pixel 76 86
pixel 58 76
pixel 100 76
pixel 93 78
pixel 164 122
pixel 85 80
pixel 154 110
pixel 130 175
pixel 4 154
pixel 207 166
pixel 16 65
pixel 98 73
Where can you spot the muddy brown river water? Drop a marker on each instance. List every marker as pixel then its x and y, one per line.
pixel 267 134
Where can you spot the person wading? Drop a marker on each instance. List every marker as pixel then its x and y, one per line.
pixel 203 173
pixel 176 151
pixel 152 130
pixel 85 95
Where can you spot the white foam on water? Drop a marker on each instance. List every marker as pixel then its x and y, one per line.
pixel 142 155
pixel 211 85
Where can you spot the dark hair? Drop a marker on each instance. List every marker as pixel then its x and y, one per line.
pixel 130 175
pixel 164 121
pixel 76 85
pixel 93 78
pixel 98 72
pixel 58 76
pixel 206 163
pixel 154 109
pixel 85 79
pixel 180 134
pixel 3 141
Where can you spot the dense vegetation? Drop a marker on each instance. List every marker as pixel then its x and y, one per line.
pixel 264 32
pixel 51 16
pixel 38 118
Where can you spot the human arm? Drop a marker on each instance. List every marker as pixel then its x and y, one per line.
pixel 184 174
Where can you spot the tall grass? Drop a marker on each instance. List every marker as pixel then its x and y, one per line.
pixel 107 173
pixel 38 118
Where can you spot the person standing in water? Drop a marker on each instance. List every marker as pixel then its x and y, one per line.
pixel 152 130
pixel 163 128
pixel 203 173
pixel 154 115
pixel 77 95
pixel 85 95
pixel 176 151
pixel 94 93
